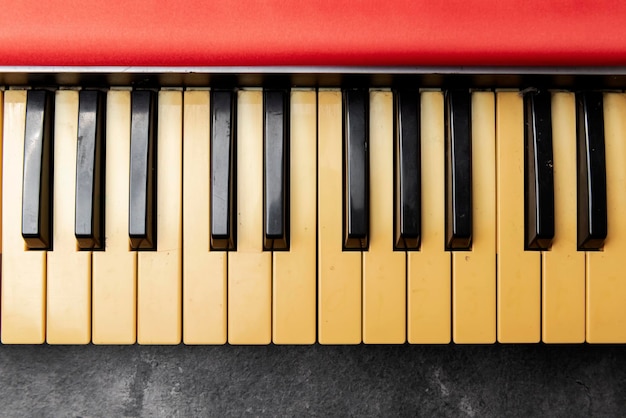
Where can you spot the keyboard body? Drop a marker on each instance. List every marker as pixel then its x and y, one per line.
pixel 184 290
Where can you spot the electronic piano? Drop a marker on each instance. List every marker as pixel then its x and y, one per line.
pixel 336 172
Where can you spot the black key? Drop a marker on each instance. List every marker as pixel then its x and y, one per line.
pixel 223 202
pixel 458 170
pixel 356 169
pixel 276 169
pixel 539 170
pixel 142 218
pixel 89 222
pixel 38 164
pixel 592 218
pixel 408 170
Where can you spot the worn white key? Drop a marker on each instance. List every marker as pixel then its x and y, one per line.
pixel 159 277
pixel 428 270
pixel 339 272
pixel 69 270
pixel 23 272
pixel 294 272
pixel 204 271
pixel 384 270
pixel 249 268
pixel 114 285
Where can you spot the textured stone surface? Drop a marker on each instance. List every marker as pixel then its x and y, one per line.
pixel 454 381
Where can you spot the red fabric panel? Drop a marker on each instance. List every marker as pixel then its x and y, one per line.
pixel 313 32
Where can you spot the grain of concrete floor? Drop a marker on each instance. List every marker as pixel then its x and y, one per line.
pixel 448 381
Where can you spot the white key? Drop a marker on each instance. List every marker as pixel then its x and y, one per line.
pixel 294 275
pixel 473 272
pixel 428 270
pixel 23 272
pixel 563 267
pixel 519 271
pixel 115 269
pixel 249 268
pixel 606 282
pixel 204 271
pixel 69 270
pixel 159 277
pixel 339 272
pixel 384 270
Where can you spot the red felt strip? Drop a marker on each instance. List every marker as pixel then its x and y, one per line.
pixel 313 32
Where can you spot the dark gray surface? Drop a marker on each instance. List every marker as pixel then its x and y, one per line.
pixel 534 380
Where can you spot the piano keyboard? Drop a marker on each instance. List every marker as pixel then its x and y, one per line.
pixel 297 216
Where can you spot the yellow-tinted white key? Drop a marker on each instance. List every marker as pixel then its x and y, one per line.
pixel 606 281
pixel 115 269
pixel 519 281
pixel 249 268
pixel 69 270
pixel 428 269
pixel 339 272
pixel 204 271
pixel 23 272
pixel 294 277
pixel 384 270
pixel 563 281
pixel 474 272
pixel 159 284
pixel 1 134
